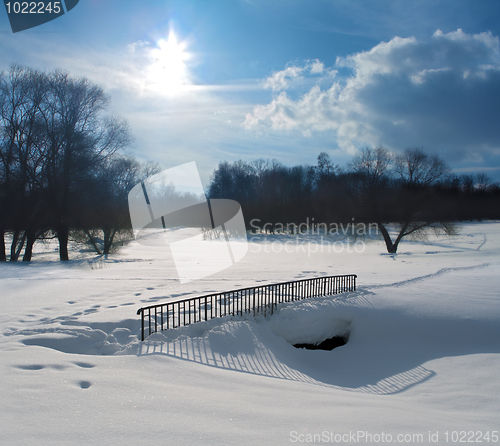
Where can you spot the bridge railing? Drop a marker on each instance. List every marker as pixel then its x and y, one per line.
pixel 258 299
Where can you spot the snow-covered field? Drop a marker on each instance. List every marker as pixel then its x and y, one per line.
pixel 421 365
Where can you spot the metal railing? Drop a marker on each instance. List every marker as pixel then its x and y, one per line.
pixel 259 299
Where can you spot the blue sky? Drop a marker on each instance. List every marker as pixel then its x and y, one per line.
pixel 219 80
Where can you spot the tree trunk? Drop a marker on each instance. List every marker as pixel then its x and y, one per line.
pixel 106 237
pixel 13 245
pixel 3 256
pixel 391 249
pixel 17 245
pixel 109 236
pixel 63 237
pixel 92 241
pixel 400 236
pixel 28 251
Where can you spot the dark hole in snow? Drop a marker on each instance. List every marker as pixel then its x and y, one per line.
pixel 327 344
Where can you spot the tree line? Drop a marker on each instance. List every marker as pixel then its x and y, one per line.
pixel 62 171
pixel 413 190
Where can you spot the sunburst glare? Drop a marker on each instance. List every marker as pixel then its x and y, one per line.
pixel 168 72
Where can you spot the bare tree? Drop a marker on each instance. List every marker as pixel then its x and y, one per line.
pixel 79 138
pixel 105 213
pixel 417 169
pixel 417 172
pixel 326 166
pixel 373 165
pixel 54 139
pixel 482 182
pixel 397 189
pixel 21 158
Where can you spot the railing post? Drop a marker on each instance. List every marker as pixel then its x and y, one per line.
pixel 253 304
pixel 149 320
pixel 265 300
pixel 168 316
pixel 271 298
pixel 140 312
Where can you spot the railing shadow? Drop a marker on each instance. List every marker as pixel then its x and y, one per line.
pixel 241 348
pixel 265 363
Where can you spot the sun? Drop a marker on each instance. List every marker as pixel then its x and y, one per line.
pixel 168 72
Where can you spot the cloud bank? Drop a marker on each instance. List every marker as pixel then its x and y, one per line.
pixel 442 94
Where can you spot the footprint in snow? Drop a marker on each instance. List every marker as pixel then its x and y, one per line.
pixel 84 365
pixel 30 367
pixel 90 311
pixel 40 367
pixel 58 367
pixel 84 384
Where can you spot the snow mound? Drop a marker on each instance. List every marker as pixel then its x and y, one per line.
pixel 92 339
pixel 304 324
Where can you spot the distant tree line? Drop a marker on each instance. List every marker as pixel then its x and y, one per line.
pixel 413 190
pixel 62 173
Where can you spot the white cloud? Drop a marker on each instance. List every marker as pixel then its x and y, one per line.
pixel 292 75
pixel 441 94
pixel 280 80
pixel 317 67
